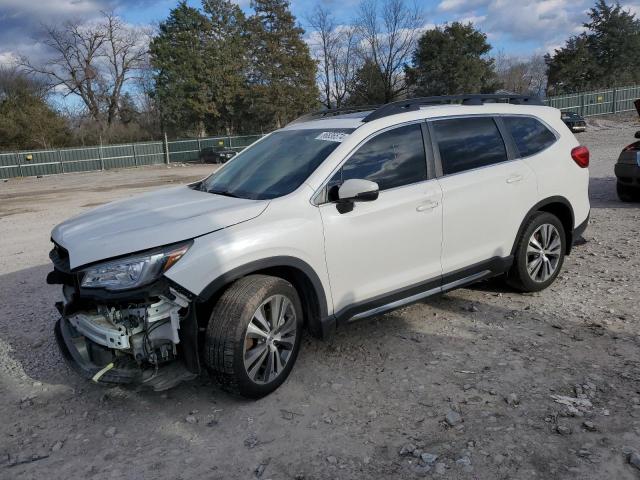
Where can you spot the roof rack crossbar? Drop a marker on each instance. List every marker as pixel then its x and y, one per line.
pixel 412 104
pixel 332 112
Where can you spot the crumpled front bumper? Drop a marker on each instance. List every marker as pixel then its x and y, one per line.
pixel 74 352
pixel 73 348
pixel 103 353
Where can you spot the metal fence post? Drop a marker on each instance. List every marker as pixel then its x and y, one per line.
pixel 614 105
pixel 166 149
pixel 19 163
pixel 582 104
pixel 199 146
pixel 60 160
pixel 135 158
pixel 100 155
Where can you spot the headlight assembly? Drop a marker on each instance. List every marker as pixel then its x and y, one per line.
pixel 134 271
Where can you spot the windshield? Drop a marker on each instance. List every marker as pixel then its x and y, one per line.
pixel 275 166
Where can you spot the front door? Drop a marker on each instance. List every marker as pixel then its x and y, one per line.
pixel 390 245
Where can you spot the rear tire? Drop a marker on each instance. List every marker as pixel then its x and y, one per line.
pixel 539 254
pixel 627 193
pixel 253 335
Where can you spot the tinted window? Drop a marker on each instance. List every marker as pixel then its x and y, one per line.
pixel 530 135
pixel 275 166
pixel 391 159
pixel 467 143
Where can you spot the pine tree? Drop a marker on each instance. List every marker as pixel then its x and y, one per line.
pixel 227 54
pixel 127 109
pixel 368 86
pixel 282 75
pixel 178 53
pixel 452 60
pixel 606 55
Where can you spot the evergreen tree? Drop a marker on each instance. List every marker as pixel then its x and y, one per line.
pixel 282 74
pixel 368 86
pixel 127 110
pixel 571 68
pixel 179 56
pixel 227 54
pixel 606 55
pixel 452 60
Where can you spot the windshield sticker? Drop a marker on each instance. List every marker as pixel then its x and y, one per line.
pixel 332 136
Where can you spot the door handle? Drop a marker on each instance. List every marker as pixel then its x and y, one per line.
pixel 430 205
pixel 514 178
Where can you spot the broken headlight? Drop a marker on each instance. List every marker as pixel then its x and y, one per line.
pixel 134 271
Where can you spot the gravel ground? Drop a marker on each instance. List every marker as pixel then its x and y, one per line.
pixel 480 383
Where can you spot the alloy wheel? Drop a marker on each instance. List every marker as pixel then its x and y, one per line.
pixel 543 252
pixel 269 339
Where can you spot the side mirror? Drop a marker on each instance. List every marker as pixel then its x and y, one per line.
pixel 356 190
pixel 638 134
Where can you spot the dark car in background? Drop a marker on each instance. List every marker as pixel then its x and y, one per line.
pixel 216 155
pixel 574 121
pixel 627 172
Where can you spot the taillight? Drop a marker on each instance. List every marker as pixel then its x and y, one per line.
pixel 580 155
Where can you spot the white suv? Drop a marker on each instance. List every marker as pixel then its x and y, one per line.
pixel 336 217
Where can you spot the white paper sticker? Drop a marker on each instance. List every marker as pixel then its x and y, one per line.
pixel 332 136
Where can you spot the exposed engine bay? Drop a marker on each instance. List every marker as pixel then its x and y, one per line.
pixel 147 336
pixel 148 333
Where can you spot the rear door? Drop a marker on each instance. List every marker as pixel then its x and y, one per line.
pixel 487 191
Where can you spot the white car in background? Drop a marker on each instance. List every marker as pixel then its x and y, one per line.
pixel 339 216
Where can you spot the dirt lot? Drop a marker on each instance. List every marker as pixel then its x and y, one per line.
pixel 487 360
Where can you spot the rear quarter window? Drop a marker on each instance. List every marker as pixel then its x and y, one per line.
pixel 530 135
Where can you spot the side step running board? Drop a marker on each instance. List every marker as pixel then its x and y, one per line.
pixel 419 296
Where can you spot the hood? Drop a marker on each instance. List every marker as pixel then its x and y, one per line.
pixel 150 220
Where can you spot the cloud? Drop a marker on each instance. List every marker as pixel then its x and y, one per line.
pixel 21 22
pixel 461 5
pixel 548 23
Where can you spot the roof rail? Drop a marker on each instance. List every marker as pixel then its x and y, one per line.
pixel 332 112
pixel 412 104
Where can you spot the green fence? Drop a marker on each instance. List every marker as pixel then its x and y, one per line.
pixel 587 104
pixel 69 160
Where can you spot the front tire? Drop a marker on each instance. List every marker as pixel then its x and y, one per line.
pixel 539 254
pixel 253 335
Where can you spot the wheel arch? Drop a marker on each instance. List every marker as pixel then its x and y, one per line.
pixel 558 206
pixel 294 270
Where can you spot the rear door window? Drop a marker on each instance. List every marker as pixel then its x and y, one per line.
pixel 530 135
pixel 468 143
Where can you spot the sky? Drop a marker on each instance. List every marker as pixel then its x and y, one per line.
pixel 515 27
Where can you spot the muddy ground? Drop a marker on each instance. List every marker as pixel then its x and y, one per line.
pixel 469 377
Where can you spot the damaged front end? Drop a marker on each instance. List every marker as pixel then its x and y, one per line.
pixel 141 334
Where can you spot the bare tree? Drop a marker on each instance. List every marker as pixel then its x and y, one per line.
pixel 335 49
pixel 525 76
pixel 14 80
pixel 93 61
pixel 125 52
pixel 389 34
pixel 345 64
pixel 323 25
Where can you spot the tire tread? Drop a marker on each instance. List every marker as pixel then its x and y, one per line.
pixel 225 332
pixel 518 279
